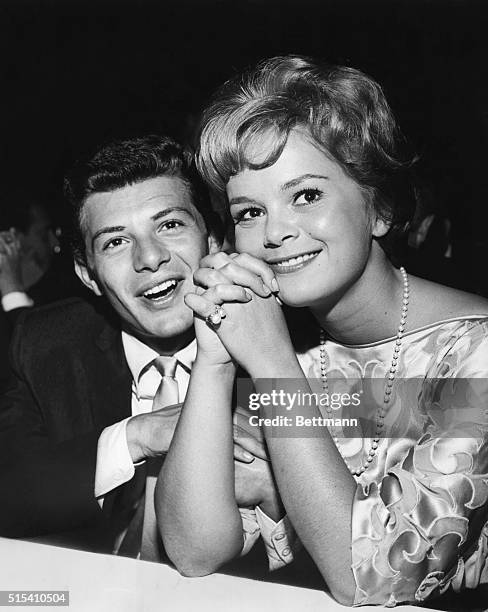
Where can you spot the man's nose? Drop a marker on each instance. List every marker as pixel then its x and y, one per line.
pixel 279 228
pixel 150 254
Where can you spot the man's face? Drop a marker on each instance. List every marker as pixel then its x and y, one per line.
pixel 39 241
pixel 143 243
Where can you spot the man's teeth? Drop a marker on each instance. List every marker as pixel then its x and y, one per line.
pixel 294 261
pixel 169 284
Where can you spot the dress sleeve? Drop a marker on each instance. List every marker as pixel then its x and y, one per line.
pixel 422 528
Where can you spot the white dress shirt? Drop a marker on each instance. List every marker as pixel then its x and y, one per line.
pixel 114 463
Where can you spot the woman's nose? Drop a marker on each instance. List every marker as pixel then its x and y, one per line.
pixel 279 229
pixel 149 254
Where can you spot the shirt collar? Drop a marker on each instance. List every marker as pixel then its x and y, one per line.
pixel 139 355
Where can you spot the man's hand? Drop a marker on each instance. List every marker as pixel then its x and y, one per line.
pixel 248 440
pixel 254 480
pixel 255 486
pixel 150 434
pixel 10 263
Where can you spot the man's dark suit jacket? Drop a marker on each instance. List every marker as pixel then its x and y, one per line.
pixel 71 380
pixel 59 283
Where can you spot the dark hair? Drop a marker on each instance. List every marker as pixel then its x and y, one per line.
pixel 126 162
pixel 344 111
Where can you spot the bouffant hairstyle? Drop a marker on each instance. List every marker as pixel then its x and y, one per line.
pixel 344 112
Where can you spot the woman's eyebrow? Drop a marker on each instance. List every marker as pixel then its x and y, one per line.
pixel 242 200
pixel 299 179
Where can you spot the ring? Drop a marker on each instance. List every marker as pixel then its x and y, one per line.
pixel 215 317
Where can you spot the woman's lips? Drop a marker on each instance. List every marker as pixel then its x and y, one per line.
pixel 294 263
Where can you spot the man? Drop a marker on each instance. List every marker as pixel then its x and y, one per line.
pixel 30 273
pixel 79 417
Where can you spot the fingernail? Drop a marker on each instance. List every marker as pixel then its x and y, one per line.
pixel 266 289
pixel 248 456
pixel 274 285
pixel 248 295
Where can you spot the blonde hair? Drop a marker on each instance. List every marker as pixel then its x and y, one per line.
pixel 343 110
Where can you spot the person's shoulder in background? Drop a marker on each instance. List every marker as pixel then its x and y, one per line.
pixel 63 322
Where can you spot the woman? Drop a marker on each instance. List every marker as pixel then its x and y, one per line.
pixel 317 182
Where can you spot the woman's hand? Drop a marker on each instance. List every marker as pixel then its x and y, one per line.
pixel 252 328
pixel 209 346
pixel 253 332
pixel 239 269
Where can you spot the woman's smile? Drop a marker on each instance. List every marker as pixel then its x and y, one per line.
pixel 292 263
pixel 307 219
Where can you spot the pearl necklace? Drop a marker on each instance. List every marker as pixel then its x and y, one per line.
pixel 382 410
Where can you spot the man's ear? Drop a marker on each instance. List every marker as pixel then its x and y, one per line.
pixel 86 277
pixel 214 245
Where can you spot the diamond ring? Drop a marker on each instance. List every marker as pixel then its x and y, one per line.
pixel 216 316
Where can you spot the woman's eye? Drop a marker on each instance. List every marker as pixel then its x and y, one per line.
pixel 247 214
pixel 307 196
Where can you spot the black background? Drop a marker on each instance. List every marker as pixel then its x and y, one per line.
pixel 77 73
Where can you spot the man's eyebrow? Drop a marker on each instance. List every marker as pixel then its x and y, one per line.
pixel 167 211
pixel 299 179
pixel 111 229
pixel 107 230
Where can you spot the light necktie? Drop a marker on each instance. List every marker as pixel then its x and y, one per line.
pixel 166 395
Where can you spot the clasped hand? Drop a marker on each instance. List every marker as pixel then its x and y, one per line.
pixel 253 331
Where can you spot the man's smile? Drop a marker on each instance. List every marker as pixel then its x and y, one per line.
pixel 161 291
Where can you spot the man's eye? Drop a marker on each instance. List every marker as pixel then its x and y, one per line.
pixel 113 243
pixel 247 214
pixel 172 224
pixel 307 196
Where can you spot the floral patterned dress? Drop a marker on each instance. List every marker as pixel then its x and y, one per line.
pixel 420 513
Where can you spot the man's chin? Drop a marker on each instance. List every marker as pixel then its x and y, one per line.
pixel 166 328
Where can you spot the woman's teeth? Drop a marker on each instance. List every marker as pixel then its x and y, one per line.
pixel 160 290
pixel 295 261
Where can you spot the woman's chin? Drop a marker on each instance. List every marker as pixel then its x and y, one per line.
pixel 295 299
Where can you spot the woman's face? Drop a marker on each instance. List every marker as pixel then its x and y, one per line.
pixel 307 219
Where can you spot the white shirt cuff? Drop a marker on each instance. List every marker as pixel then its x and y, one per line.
pixel 250 529
pixel 16 299
pixel 114 463
pixel 279 539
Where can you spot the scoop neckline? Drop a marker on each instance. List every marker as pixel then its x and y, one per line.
pixel 411 332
